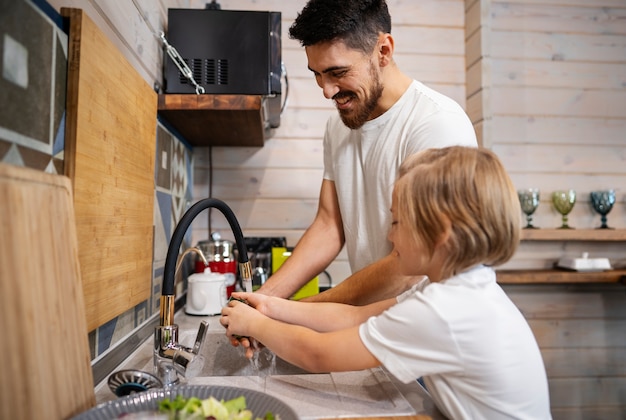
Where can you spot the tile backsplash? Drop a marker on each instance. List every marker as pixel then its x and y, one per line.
pixel 33 47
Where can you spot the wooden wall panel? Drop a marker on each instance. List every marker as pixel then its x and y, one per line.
pixel 580 329
pixel 562 18
pixel 541 129
pixel 558 74
pixel 598 361
pixel 547 92
pixel 573 102
pixel 268 183
pixel 558 46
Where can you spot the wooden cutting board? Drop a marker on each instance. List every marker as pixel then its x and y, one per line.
pixel 46 370
pixel 109 155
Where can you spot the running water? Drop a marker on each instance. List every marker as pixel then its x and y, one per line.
pixel 263 362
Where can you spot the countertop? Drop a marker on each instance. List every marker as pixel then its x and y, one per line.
pixel 371 393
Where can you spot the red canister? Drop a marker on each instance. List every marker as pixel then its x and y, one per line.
pixel 220 256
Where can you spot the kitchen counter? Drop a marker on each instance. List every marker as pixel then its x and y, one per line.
pixel 371 393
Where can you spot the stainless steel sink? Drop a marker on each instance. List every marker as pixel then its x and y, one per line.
pixel 222 359
pixel 364 393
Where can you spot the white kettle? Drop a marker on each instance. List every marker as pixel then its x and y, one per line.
pixel 206 293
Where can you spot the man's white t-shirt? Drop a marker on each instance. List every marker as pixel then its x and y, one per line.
pixel 475 351
pixel 363 163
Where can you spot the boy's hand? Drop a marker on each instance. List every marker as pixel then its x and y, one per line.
pixel 249 344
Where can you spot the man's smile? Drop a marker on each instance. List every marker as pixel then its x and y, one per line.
pixel 343 100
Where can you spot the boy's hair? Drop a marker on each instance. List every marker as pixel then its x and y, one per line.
pixel 469 187
pixel 355 22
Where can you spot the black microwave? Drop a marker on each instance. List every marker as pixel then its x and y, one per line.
pixel 227 51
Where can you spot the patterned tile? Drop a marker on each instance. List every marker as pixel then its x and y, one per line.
pixel 32 133
pixel 163 175
pixel 27 40
pixel 163 225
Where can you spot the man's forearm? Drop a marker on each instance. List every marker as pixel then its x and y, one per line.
pixel 316 249
pixel 378 281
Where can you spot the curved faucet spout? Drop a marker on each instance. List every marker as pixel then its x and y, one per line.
pixel 167 293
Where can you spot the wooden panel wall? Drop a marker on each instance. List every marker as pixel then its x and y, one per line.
pixel 546 84
pixel 274 189
pixel 580 330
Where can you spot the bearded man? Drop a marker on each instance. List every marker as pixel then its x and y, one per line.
pixel 383 117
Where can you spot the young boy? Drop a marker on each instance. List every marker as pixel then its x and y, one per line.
pixel 455 215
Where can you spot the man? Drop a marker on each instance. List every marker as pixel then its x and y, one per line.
pixel 384 116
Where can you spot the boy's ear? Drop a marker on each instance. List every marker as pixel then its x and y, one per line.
pixel 447 231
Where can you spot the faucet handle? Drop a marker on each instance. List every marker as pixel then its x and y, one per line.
pixel 200 337
pixel 188 361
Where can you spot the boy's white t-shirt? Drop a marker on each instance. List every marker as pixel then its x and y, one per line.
pixel 364 163
pixel 475 351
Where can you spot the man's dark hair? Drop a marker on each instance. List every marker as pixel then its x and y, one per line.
pixel 355 22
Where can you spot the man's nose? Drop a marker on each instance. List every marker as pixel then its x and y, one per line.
pixel 329 88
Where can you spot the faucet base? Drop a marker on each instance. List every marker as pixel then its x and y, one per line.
pixel 172 359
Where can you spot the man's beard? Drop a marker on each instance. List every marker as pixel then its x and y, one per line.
pixel 355 118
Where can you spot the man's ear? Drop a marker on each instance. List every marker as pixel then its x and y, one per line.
pixel 385 48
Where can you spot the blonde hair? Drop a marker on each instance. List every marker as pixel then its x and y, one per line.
pixel 468 187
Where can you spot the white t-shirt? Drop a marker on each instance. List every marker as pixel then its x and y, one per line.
pixel 477 354
pixel 364 163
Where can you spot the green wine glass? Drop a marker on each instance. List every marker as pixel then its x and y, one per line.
pixel 529 201
pixel 564 203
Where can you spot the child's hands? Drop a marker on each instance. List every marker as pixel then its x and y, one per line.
pixel 237 318
pixel 258 301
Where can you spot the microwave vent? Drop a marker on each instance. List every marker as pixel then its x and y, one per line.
pixel 206 72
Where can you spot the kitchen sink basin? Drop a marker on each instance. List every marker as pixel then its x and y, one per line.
pixel 369 392
pixel 222 359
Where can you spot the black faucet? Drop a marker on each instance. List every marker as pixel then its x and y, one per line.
pixel 170 358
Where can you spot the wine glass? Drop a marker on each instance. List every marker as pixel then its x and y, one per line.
pixel 564 203
pixel 529 201
pixel 602 202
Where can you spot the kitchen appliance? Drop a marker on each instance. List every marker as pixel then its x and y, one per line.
pixel 206 293
pixel 221 259
pixel 235 52
pixel 311 288
pixel 260 256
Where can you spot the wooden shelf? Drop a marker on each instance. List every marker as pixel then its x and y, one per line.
pixel 609 235
pixel 559 276
pixel 216 120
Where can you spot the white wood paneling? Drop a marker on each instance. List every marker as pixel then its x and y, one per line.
pixel 546 91
pixel 594 18
pixel 558 74
pixel 575 102
pixel 559 46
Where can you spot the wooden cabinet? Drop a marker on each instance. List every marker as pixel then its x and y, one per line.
pixel 558 275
